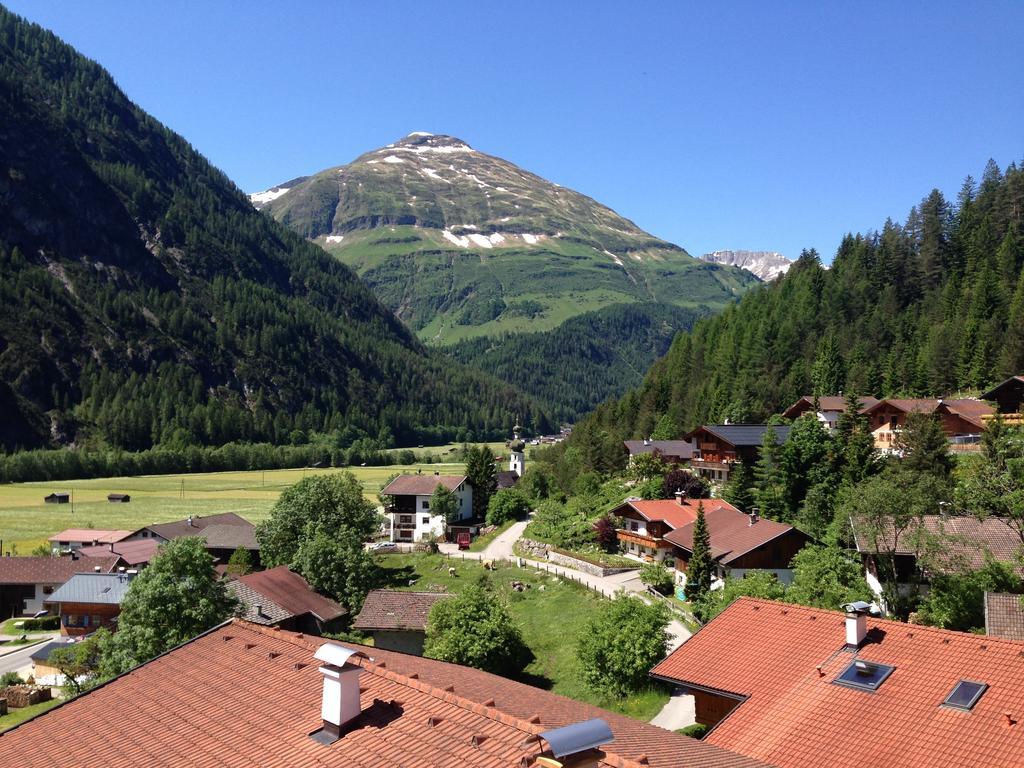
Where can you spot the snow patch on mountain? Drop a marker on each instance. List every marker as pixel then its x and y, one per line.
pixel 262 198
pixel 766 265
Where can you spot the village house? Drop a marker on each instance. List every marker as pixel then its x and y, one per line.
pixel 43 672
pixel 830 408
pixel 222 534
pixel 949 543
pixel 409 509
pixel 88 601
pixel 675 452
pixel 643 525
pixel 740 544
pixel 279 597
pixel 76 538
pixel 1008 397
pixel 243 694
pixel 963 420
pixel 129 554
pixel 27 583
pixel 1004 616
pixel 397 620
pixel 800 687
pixel 717 448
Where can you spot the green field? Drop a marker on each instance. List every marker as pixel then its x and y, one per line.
pixel 20 715
pixel 25 521
pixel 551 622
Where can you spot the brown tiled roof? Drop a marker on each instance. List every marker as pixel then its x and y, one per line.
pixel 827 403
pixel 681 448
pixel 969 409
pixel 731 532
pixel 782 661
pixel 290 591
pixel 90 534
pixel 257 608
pixel 994 392
pixel 49 570
pixel 421 485
pixel 1004 616
pixel 132 552
pixel 970 540
pixel 391 609
pixel 248 695
pixel 179 528
pixel 230 536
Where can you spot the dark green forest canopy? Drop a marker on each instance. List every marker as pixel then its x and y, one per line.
pixel 143 301
pixel 928 308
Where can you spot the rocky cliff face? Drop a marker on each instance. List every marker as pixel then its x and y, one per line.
pixel 766 265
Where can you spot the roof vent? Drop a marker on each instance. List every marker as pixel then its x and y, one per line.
pixel 340 702
pixel 96 569
pixel 578 737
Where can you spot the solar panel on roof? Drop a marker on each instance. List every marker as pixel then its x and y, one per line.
pixel 965 694
pixel 866 675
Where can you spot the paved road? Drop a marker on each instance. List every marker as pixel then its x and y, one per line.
pixel 499 549
pixel 16 661
pixel 678 713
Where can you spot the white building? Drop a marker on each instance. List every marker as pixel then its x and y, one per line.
pixel 409 511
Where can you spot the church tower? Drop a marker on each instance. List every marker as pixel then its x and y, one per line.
pixel 517 451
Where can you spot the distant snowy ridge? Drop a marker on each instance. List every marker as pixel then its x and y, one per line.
pixel 766 265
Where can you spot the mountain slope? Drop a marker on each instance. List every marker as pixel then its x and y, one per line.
pixel 928 308
pixel 766 265
pixel 587 359
pixel 144 301
pixel 461 244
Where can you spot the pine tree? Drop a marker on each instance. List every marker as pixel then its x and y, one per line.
pixel 828 373
pixel 740 490
pixel 700 568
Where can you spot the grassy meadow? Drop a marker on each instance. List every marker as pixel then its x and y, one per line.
pixel 551 621
pixel 26 522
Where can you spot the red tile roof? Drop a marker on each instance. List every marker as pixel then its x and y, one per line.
pixel 49 570
pixel 784 659
pixel 421 485
pixel 673 513
pixel 391 609
pixel 132 552
pixel 1004 616
pixel 292 593
pixel 90 534
pixel 244 695
pixel 731 532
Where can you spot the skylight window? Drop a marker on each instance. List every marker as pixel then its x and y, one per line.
pixel 866 675
pixel 965 695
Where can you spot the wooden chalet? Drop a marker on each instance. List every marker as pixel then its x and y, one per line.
pixel 963 420
pixel 718 447
pixel 1008 397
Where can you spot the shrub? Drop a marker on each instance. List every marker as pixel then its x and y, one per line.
pixel 695 731
pixel 43 622
pixel 657 576
pixel 10 678
pixel 507 504
pixel 623 640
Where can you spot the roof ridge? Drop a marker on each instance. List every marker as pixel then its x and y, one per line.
pixel 937 631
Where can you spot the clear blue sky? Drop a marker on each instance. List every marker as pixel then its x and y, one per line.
pixel 715 125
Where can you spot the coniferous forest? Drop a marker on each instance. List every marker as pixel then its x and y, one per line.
pixel 144 302
pixel 930 307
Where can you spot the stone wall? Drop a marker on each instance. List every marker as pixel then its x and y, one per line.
pixel 535 550
pixel 567 561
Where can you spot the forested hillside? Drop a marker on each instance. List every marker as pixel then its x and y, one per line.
pixel 578 365
pixel 143 301
pixel 932 306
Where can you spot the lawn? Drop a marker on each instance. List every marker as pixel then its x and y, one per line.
pixel 550 620
pixel 8 628
pixel 25 521
pixel 20 715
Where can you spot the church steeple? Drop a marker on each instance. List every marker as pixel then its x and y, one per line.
pixel 517 451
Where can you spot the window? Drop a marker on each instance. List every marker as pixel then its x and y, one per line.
pixel 634 525
pixel 965 695
pixel 425 504
pixel 426 520
pixel 47 590
pixel 866 675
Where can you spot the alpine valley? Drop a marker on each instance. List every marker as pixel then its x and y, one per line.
pixel 474 253
pixel 144 302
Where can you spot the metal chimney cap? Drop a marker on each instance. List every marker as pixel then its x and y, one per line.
pixel 858 607
pixel 578 737
pixel 336 655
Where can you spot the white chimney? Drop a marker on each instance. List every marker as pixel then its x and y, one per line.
pixel 96 568
pixel 680 497
pixel 755 515
pixel 340 703
pixel 856 622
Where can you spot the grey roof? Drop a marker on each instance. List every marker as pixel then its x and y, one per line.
pixel 746 434
pixel 230 537
pixel 42 653
pixel 105 588
pixel 681 448
pixel 248 598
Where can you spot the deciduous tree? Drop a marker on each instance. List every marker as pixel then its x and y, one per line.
pixel 620 644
